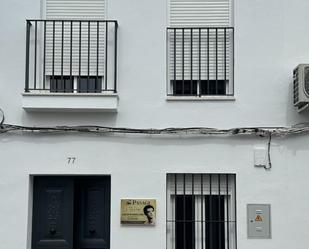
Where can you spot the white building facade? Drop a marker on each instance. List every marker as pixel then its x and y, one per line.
pixel 150 65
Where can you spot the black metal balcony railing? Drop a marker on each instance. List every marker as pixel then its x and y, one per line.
pixel 200 61
pixel 71 56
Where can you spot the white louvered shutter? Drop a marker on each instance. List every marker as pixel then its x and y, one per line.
pixel 75 10
pixel 200 13
pixel 210 57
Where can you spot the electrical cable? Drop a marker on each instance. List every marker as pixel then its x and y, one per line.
pixel 247 131
pixel 302 128
pixel 268 153
pixel 2 117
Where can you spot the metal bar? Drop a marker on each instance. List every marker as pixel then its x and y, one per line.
pixel 233 61
pixel 235 208
pixel 115 60
pixel 184 211
pixel 80 54
pixel 202 27
pixel 106 53
pixel 53 59
pixel 193 208
pixel 44 55
pixel 216 61
pixel 224 55
pixel 41 89
pixel 71 45
pixel 27 56
pixel 227 211
pixel 191 60
pixel 35 50
pixel 168 202
pixel 190 220
pixel 97 76
pixel 173 210
pixel 183 61
pixel 86 20
pixel 175 203
pixel 219 211
pixel 62 33
pixel 208 82
pixel 88 59
pixel 202 212
pixel 199 61
pixel 168 61
pixel 210 211
pixel 174 86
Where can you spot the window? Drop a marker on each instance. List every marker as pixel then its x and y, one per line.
pixel 71 212
pixel 190 87
pixel 201 211
pixel 72 42
pixel 200 48
pixel 89 84
pixel 85 84
pixel 61 84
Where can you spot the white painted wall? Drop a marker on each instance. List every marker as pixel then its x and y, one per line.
pixel 138 167
pixel 271 38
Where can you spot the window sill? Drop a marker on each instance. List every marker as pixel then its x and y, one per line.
pixel 70 102
pixel 68 94
pixel 203 98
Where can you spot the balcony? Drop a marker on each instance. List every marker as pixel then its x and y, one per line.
pixel 71 65
pixel 200 63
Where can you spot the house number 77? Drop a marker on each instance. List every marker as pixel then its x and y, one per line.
pixel 71 160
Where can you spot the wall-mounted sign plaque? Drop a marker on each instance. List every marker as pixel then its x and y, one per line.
pixel 138 211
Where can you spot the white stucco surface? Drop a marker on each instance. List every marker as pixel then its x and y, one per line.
pixel 138 167
pixel 271 38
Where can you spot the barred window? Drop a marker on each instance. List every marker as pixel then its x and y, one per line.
pixel 201 211
pixel 200 48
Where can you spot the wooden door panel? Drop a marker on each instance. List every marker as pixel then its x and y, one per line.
pixel 71 212
pixel 52 213
pixel 94 213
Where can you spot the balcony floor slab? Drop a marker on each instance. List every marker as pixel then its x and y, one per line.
pixel 70 102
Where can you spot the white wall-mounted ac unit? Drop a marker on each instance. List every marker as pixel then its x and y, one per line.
pixel 301 86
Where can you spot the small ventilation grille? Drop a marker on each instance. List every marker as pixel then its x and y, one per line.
pixel 295 85
pixel 306 78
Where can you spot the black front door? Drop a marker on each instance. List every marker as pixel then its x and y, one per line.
pixel 93 216
pixel 71 212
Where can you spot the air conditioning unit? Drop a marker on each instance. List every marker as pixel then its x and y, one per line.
pixel 301 87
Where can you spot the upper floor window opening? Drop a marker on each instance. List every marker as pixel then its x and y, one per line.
pixel 72 49
pixel 200 50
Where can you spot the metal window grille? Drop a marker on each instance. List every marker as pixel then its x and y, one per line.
pixel 201 211
pixel 200 61
pixel 61 54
